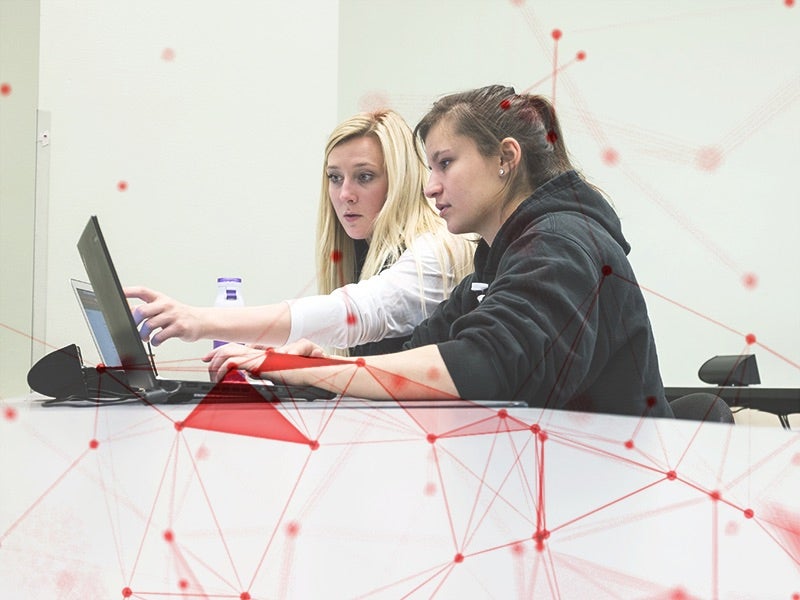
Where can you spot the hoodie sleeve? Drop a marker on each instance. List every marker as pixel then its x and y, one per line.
pixel 533 335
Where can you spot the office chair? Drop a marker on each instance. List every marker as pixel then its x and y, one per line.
pixel 702 406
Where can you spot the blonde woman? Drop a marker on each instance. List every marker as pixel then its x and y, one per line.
pixel 385 258
pixel 552 315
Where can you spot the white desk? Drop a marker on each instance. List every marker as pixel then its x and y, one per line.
pixel 380 510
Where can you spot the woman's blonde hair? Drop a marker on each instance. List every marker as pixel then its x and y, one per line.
pixel 405 215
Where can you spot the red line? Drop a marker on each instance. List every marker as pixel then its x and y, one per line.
pixel 475 475
pixel 487 511
pixel 279 520
pixel 607 504
pixel 403 580
pixel 659 19
pixel 444 497
pixel 442 580
pixel 44 494
pixel 779 102
pixel 541 521
pixel 684 307
pixel 778 542
pixel 149 520
pixel 555 71
pixel 211 510
pixel 482 480
pixel 448 565
pixel 714 550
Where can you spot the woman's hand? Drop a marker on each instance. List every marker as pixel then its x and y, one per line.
pixel 175 320
pixel 251 359
pixel 232 357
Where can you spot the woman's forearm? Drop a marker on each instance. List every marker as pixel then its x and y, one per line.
pixel 415 374
pixel 266 325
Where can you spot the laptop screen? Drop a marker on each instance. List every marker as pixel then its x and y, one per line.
pixel 96 321
pixel 114 308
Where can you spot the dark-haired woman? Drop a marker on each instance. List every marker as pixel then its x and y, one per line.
pixel 552 314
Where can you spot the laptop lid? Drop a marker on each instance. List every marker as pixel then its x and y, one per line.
pixel 96 322
pixel 111 301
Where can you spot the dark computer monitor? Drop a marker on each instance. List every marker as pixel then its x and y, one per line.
pixel 114 305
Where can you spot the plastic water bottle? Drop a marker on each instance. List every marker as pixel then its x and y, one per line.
pixel 229 293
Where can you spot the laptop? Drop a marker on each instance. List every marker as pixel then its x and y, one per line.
pixel 114 332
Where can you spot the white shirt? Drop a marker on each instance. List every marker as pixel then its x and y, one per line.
pixel 387 305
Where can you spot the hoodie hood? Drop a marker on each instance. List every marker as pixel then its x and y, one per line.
pixel 565 193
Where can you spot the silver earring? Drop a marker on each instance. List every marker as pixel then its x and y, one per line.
pixel 502 172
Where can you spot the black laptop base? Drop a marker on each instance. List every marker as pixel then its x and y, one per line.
pixel 63 378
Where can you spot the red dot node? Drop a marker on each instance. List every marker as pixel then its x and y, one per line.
pixel 708 158
pixel 535 428
pixel 397 383
pixel 122 186
pixel 543 436
pixel 505 104
pixel 556 33
pixel 672 475
pixel 183 584
pixel 629 444
pixel 351 318
pixel 360 361
pixel 127 592
pixel 796 460
pixel 5 89
pixel 750 280
pixel 244 596
pixel 459 558
pixel 518 548
pixel 581 55
pixel 750 339
pixel 789 3
pixel 433 374
pixel 169 536
pixel 552 137
pixel 678 594
pixel 502 413
pixel 374 101
pixel 715 495
pixel 168 54
pixel 292 529
pixel 748 513
pixel 93 444
pixel 651 401
pixel 100 368
pixel 539 537
pixel 431 437
pixel 610 156
pixel 430 489
pixel 606 270
pixel 314 445
pixel 178 425
pixel 10 413
pixel 731 528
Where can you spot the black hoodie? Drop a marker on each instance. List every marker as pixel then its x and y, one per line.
pixel 562 323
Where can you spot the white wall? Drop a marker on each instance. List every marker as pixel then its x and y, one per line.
pixel 220 144
pixel 19 51
pixel 661 83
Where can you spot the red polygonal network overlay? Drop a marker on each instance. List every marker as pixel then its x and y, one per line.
pixel 511 463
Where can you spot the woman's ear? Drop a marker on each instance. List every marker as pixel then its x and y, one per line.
pixel 510 153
